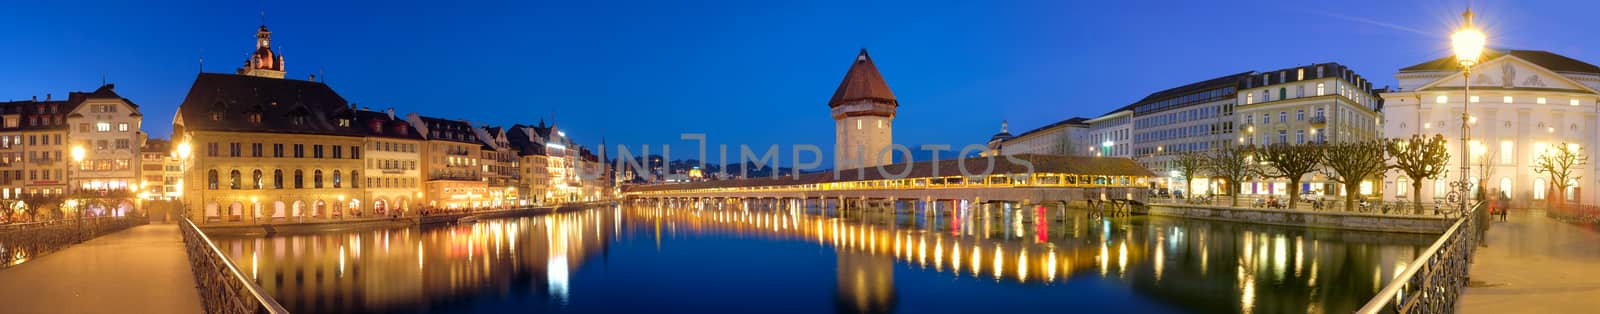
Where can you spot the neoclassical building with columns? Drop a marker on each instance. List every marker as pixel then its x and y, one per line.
pixel 1523 103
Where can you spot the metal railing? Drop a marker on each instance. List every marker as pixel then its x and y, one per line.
pixel 1433 282
pixel 223 288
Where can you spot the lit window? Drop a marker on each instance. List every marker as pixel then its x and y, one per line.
pixel 880 124
pixel 1538 189
pixel 102 126
pixel 122 127
pixel 858 124
pixel 1474 98
pixel 1249 98
pixel 1574 102
pixel 1539 100
pixel 1538 150
pixel 1321 89
pixel 1443 99
pixel 1506 151
pixel 1507 99
pixel 1400 187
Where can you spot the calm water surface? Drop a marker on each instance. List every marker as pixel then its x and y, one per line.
pixel 791 259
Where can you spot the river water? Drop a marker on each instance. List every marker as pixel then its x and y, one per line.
pixel 766 258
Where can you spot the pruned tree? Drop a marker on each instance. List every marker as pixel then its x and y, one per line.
pixel 1558 163
pixel 1352 162
pixel 34 203
pixel 1233 164
pixel 1189 164
pixel 1419 158
pixel 1291 162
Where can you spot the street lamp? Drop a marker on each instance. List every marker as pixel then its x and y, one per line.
pixel 1467 43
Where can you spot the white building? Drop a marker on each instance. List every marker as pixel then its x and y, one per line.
pixel 1524 102
pixel 107 127
pixel 1053 139
pixel 1317 103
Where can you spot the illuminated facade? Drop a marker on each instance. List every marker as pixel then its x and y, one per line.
pixel 1318 103
pixel 160 171
pixel 33 149
pixel 107 127
pixel 451 170
pixel 1525 103
pixel 499 165
pixel 393 163
pixel 270 150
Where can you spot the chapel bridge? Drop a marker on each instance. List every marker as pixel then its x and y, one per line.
pixel 1054 179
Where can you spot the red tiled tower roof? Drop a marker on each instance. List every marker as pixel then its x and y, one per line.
pixel 862 82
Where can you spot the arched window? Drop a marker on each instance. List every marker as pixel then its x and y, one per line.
pixel 277 179
pixel 1505 186
pixel 211 179
pixel 255 179
pixel 299 179
pixel 1440 188
pixel 233 179
pixel 337 179
pixel 316 179
pixel 1538 189
pixel 355 179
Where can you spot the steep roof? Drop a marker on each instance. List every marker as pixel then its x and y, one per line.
pixel 1546 59
pixel 449 130
pixel 279 102
pixel 862 82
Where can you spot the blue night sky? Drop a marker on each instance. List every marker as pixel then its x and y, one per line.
pixel 756 72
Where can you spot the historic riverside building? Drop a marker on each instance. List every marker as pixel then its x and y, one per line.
pixel 451 175
pixel 499 167
pixel 1316 103
pixel 269 149
pixel 107 126
pixel 1525 103
pixel 160 170
pixel 863 115
pixel 392 158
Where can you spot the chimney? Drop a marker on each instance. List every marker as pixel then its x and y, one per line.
pixel 313 77
pixel 390 111
pixel 46 96
pixel 35 98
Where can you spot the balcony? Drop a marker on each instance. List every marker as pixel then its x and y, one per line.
pixel 1319 120
pixel 41 161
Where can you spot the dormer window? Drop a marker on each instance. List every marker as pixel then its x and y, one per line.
pixel 298 120
pixel 255 118
pixel 216 116
pixel 344 122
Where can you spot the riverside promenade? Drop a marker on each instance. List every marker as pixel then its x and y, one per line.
pixel 143 269
pixel 1534 264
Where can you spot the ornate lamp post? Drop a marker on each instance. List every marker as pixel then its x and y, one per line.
pixel 77 161
pixel 1467 43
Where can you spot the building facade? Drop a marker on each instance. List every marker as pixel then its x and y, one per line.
pixel 108 128
pixel 452 178
pixel 1317 103
pixel 1524 102
pixel 393 161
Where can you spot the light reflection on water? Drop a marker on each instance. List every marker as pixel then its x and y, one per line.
pixel 605 260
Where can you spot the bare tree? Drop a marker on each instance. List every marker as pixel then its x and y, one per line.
pixel 1292 162
pixel 1419 158
pixel 1233 164
pixel 1558 163
pixel 1189 164
pixel 1353 162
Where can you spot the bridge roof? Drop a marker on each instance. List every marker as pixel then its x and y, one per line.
pixel 1100 166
